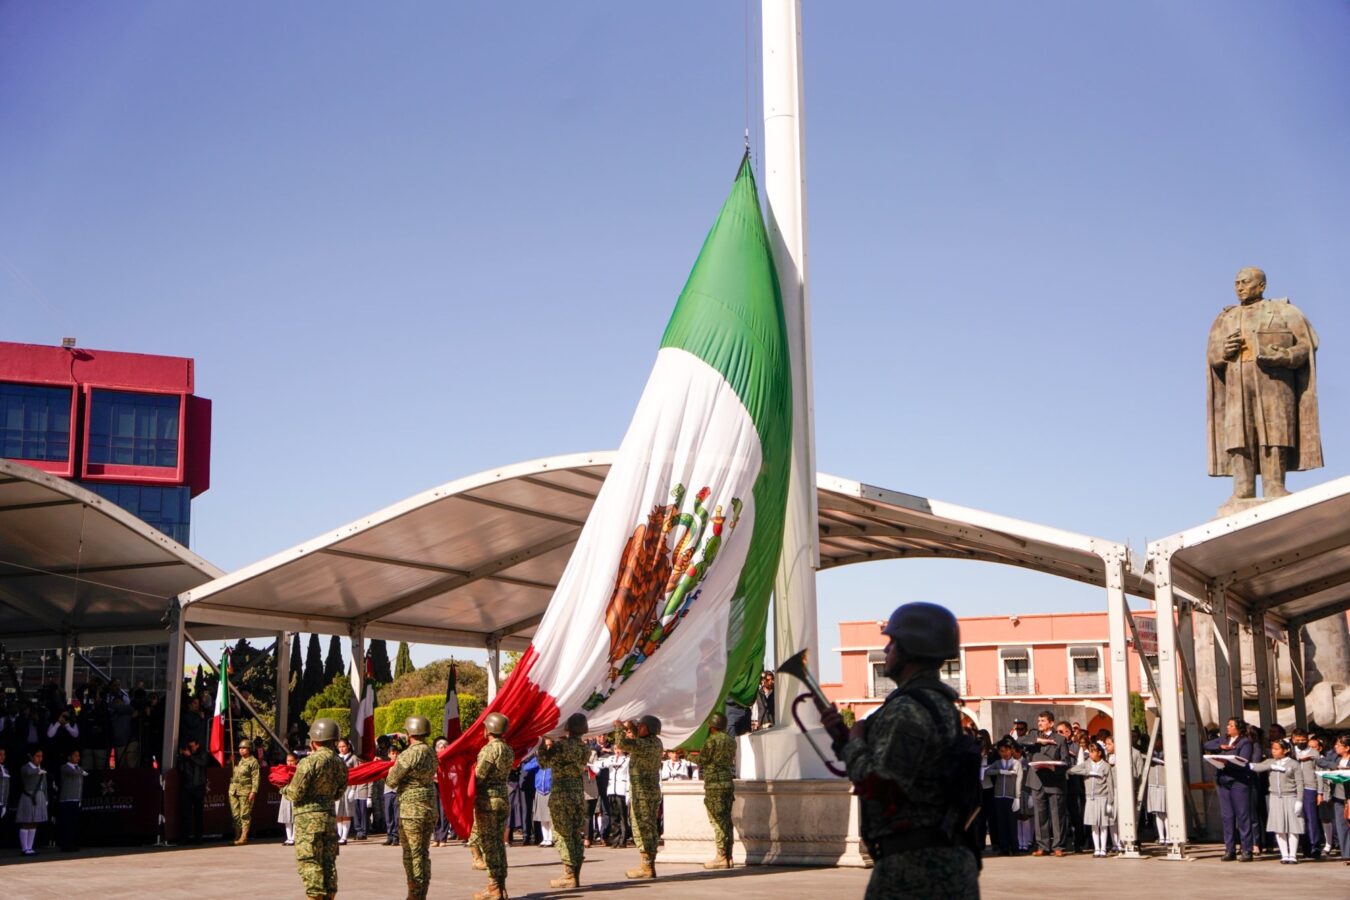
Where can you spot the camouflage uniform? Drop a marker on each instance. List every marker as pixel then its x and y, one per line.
pixel 717 761
pixel 898 765
pixel 644 803
pixel 414 776
pixel 490 806
pixel 319 779
pixel 567 803
pixel 243 782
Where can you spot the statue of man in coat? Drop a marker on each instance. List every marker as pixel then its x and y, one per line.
pixel 1262 412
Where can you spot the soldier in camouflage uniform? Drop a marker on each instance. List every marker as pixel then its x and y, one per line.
pixel 414 777
pixel 897 758
pixel 717 761
pixel 491 804
pixel 567 758
pixel 319 779
pixel 641 741
pixel 476 847
pixel 243 790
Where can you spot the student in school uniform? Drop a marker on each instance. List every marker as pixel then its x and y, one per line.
pixel 1099 796
pixel 1284 800
pixel 1310 842
pixel 285 812
pixel 1008 776
pixel 1233 782
pixel 390 800
pixel 342 807
pixel 32 809
pixel 1336 794
pixel 71 792
pixel 1156 798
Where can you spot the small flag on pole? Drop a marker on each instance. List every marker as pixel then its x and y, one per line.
pixel 218 741
pixel 450 727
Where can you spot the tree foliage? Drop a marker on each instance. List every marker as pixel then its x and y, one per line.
pixel 379 662
pixel 403 663
pixel 296 702
pixel 390 718
pixel 1138 720
pixel 313 678
pixel 333 666
pixel 512 657
pixel 337 693
pixel 470 678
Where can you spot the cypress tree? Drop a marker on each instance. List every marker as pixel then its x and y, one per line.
pixel 379 662
pixel 314 681
pixel 403 662
pixel 297 698
pixel 333 666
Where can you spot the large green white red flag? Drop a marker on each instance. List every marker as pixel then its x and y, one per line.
pixel 662 607
pixel 219 745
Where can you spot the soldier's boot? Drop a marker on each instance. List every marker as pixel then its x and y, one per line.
pixel 478 862
pixel 413 892
pixel 646 869
pixel 721 861
pixel 495 890
pixel 568 879
pixel 576 873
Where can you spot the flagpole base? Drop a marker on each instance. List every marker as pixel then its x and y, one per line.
pixel 782 823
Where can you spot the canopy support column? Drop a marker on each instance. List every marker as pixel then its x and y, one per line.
pixel 1261 663
pixel 173 687
pixel 1116 611
pixel 1235 670
pixel 1223 653
pixel 1298 668
pixel 68 651
pixel 1168 694
pixel 494 669
pixel 1191 706
pixel 358 636
pixel 283 655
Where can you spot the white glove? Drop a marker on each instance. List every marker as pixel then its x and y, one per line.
pixel 1110 810
pixel 1017 805
pixel 1298 807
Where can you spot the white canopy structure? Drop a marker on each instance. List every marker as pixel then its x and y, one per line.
pixel 1276 566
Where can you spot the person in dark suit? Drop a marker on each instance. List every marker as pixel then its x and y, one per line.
pixel 191 791
pixel 1048 785
pixel 1234 788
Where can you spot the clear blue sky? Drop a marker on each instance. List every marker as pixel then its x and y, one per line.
pixel 410 242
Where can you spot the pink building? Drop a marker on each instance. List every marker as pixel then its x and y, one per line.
pixel 1009 667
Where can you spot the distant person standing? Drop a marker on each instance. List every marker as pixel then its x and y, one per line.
pixel 414 777
pixel 191 791
pixel 319 779
pixel 243 791
pixel 764 700
pixel 717 760
pixel 68 803
pixel 32 810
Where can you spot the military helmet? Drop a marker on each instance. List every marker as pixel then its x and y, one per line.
pixel 652 724
pixel 245 742
pixel 924 631
pixel 496 723
pixel 417 726
pixel 577 724
pixel 323 730
pixel 718 720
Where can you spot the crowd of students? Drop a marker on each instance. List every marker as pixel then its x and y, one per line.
pixel 1051 791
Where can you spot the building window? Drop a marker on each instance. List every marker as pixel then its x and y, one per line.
pixel 1086 670
pixel 950 673
pixel 129 429
pixel 35 422
pixel 167 509
pixel 1015 670
pixel 881 685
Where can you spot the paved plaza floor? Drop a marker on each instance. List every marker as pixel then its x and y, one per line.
pixel 372 870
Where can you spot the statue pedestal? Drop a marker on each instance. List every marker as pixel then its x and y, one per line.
pixel 784 823
pixel 1236 505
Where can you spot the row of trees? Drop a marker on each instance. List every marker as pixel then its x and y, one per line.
pixel 316 673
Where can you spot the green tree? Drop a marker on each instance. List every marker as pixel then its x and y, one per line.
pixel 337 693
pixel 333 665
pixel 403 663
pixel 430 680
pixel 512 657
pixel 313 679
pixel 297 701
pixel 379 662
pixel 1138 720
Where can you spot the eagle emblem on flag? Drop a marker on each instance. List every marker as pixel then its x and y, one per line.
pixel 657 581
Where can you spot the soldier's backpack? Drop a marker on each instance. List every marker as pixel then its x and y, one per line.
pixel 961 777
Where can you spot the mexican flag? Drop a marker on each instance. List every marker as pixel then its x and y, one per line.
pixel 450 721
pixel 363 723
pixel 219 744
pixel 662 607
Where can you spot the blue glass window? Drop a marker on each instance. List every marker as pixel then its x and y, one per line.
pixel 127 429
pixel 168 509
pixel 34 422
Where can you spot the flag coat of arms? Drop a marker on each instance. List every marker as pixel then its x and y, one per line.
pixel 662 607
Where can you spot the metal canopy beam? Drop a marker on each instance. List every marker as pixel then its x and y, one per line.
pixel 391 561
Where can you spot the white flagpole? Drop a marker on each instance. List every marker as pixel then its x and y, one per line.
pixel 785 191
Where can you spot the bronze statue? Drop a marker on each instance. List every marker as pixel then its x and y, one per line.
pixel 1262 391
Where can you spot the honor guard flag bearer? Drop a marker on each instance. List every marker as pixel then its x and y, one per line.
pixel 662 607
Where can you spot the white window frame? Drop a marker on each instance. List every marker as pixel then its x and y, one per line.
pixel 1003 671
pixel 1073 673
pixel 875 658
pixel 960 659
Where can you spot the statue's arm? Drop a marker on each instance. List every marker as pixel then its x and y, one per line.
pixel 1219 353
